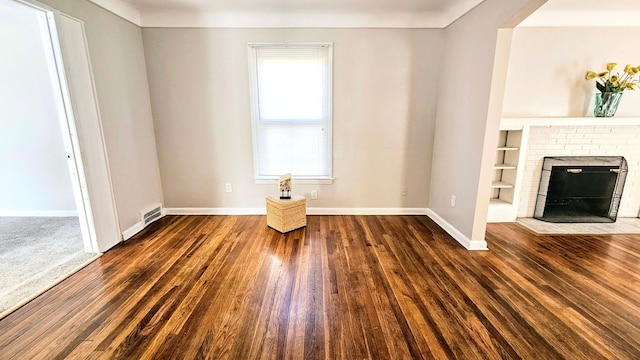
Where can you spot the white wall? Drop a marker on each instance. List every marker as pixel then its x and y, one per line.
pixel 384 90
pixel 35 178
pixel 117 59
pixel 462 119
pixel 548 65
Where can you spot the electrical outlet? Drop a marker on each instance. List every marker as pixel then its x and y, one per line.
pixel 404 191
pixel 453 201
pixel 314 194
pixel 228 187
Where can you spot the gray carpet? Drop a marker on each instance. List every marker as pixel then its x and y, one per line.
pixel 35 252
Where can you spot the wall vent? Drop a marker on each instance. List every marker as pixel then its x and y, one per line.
pixel 152 215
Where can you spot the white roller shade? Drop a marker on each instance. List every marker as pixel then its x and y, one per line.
pixel 291 98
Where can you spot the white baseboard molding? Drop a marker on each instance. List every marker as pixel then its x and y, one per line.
pixel 366 211
pixel 139 226
pixel 456 234
pixel 216 211
pixel 310 211
pixel 130 232
pixel 40 213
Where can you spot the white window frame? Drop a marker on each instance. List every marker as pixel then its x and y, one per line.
pixel 253 86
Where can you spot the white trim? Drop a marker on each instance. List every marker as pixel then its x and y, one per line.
pixel 83 104
pixel 295 19
pixel 216 211
pixel 295 181
pixel 39 213
pixel 516 123
pixel 310 211
pixel 306 18
pixel 366 211
pixel 70 138
pixel 130 232
pixel 456 234
pixel 122 8
pixel 310 17
pixel 139 226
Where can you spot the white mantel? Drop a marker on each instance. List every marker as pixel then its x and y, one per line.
pixel 520 122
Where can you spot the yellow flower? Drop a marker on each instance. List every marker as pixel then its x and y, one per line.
pixel 628 69
pixel 608 81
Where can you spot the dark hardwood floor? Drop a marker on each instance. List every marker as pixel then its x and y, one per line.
pixel 344 287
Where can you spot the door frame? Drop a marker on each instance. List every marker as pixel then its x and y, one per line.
pixel 78 112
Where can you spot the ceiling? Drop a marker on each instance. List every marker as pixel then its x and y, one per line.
pixel 586 13
pixel 357 13
pixel 290 13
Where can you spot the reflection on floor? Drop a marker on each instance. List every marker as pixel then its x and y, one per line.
pixel 621 226
pixel 35 253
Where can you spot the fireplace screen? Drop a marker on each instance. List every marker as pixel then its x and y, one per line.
pixel 580 189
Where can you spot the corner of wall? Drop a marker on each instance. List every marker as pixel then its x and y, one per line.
pixel 457 234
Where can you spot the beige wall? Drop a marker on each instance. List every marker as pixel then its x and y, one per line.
pixel 462 119
pixel 548 65
pixel 117 58
pixel 384 90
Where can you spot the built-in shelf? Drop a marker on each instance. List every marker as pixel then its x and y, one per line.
pixel 505 175
pixel 498 202
pixel 501 185
pixel 504 167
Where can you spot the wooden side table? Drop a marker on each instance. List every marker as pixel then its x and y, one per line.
pixel 286 214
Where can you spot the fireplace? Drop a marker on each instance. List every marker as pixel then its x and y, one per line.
pixel 580 189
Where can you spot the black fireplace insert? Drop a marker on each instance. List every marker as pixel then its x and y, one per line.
pixel 580 189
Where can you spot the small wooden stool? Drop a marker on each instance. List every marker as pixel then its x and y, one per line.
pixel 286 214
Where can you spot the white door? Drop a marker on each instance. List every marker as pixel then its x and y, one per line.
pixel 86 132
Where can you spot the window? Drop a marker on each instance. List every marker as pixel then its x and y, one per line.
pixel 291 109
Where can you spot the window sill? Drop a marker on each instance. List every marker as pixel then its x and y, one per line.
pixel 294 181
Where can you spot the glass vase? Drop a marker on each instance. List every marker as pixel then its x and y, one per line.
pixel 607 104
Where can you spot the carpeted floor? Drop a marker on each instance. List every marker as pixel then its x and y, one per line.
pixel 36 252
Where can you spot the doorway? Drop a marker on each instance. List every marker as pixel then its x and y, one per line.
pixel 39 99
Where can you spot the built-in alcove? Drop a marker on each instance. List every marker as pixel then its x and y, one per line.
pixel 575 189
pixel 565 137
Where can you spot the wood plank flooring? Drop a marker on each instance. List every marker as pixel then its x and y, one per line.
pixel 344 287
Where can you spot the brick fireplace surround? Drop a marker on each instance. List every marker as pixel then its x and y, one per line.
pixel 582 140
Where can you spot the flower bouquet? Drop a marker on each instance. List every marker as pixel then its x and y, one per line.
pixel 611 87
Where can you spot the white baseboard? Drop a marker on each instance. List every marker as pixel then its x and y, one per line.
pixel 456 234
pixel 216 211
pixel 366 211
pixel 139 226
pixel 310 211
pixel 41 213
pixel 130 232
